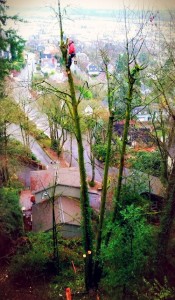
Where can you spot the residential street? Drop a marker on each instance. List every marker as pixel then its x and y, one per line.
pixel 21 93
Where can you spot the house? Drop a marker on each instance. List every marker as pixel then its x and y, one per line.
pixel 64 185
pixel 145 113
pixel 45 56
pixel 142 113
pixel 88 110
pixel 40 48
pixel 67 216
pixel 5 54
pixel 93 70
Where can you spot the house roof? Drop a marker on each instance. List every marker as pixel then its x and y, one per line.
pixel 42 179
pixel 46 55
pixel 156 186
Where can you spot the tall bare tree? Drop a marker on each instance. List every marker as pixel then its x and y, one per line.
pixel 73 103
pixel 133 46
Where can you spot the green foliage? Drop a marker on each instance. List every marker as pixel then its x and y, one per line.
pixel 41 135
pixel 9 39
pixel 85 93
pixel 147 162
pixel 91 183
pixel 100 151
pixel 43 139
pixel 17 65
pixel 70 251
pixel 46 74
pixel 157 291
pixel 122 63
pixel 33 260
pixel 10 213
pixel 143 58
pixel 127 257
pixel 16 44
pixel 37 77
pixel 17 149
pixel 130 193
pixel 33 156
pixel 52 72
pixel 38 68
pixel 54 144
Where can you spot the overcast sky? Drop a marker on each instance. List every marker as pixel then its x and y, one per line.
pixel 104 4
pixel 31 9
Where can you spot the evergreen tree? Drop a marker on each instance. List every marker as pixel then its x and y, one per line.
pixel 9 41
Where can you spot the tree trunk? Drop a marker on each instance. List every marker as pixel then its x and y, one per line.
pixel 122 156
pixel 70 163
pixel 5 170
pixel 97 269
pixel 92 158
pixel 84 196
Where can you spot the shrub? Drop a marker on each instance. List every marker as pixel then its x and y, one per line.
pixel 91 183
pixel 54 144
pixel 131 247
pixel 46 74
pixel 100 151
pixel 157 291
pixel 33 260
pixel 10 212
pixel 10 218
pixel 41 135
pixel 38 68
pixel 33 157
pixel 147 162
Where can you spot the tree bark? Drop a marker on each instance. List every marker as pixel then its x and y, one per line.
pixel 84 196
pixel 97 269
pixel 123 151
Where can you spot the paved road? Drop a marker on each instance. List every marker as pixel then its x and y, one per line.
pixel 21 88
pixel 29 105
pixel 22 91
pixel 14 130
pixel 22 96
pixel 99 166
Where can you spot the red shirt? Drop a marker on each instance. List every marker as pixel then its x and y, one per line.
pixel 71 49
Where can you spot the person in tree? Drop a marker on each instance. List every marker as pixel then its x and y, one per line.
pixel 71 53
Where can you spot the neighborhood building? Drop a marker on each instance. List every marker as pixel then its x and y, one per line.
pixel 93 70
pixel 142 113
pixel 64 185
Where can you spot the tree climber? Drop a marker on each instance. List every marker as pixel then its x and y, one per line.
pixel 71 53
